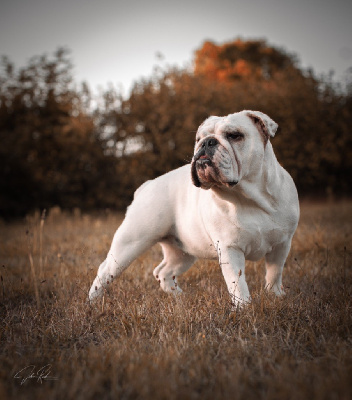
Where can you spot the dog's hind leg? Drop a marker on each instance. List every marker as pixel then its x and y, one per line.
pixel 125 248
pixel 175 262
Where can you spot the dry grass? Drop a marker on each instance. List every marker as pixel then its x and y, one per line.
pixel 141 343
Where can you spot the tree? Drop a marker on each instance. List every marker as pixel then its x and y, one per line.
pixel 163 113
pixel 241 60
pixel 51 152
pixel 57 150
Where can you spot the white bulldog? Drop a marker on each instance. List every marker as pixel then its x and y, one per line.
pixel 249 211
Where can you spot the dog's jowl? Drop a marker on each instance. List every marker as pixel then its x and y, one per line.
pixel 233 202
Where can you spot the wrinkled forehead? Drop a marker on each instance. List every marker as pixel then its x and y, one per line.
pixel 208 126
pixel 217 125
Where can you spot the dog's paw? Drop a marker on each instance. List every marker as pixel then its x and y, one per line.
pixel 240 303
pixel 277 290
pixel 95 293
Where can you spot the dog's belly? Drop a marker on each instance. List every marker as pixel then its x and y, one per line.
pixel 253 241
pixel 199 246
pixel 195 243
pixel 206 250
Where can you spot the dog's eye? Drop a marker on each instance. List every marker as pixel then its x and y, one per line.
pixel 235 136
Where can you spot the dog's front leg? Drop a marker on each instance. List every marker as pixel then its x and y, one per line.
pixel 232 263
pixel 274 263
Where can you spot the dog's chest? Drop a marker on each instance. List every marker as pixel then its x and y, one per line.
pixel 254 233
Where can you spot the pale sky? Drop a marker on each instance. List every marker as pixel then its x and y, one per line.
pixel 117 41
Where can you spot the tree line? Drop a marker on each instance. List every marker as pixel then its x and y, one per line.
pixel 62 145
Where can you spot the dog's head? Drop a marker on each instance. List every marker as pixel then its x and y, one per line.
pixel 230 148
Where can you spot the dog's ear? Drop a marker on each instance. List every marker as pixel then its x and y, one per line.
pixel 266 126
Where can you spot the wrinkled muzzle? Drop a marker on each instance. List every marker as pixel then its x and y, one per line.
pixel 210 167
pixel 202 162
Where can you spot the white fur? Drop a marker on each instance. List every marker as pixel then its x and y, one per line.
pixel 255 218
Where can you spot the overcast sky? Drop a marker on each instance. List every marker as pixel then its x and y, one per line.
pixel 117 40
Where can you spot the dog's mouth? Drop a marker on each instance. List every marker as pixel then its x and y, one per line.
pixel 203 162
pixel 205 174
pixel 204 171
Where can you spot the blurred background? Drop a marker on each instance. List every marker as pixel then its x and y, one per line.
pixel 96 98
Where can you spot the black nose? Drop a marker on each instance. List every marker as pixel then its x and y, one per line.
pixel 210 142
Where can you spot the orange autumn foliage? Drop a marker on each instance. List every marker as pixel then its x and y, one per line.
pixel 240 60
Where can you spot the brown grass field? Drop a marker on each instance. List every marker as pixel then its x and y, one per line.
pixel 140 343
